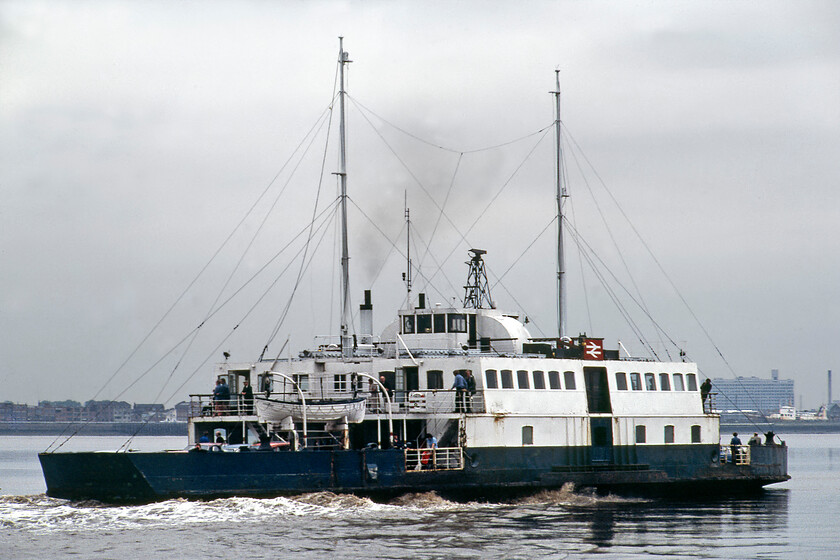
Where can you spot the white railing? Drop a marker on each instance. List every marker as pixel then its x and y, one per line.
pixel 434 459
pixel 433 401
pixel 742 455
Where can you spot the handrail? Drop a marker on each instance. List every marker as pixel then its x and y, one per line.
pixel 388 404
pixel 300 394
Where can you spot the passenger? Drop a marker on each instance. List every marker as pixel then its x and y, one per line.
pixel 248 398
pixel 755 439
pixel 460 387
pixel 220 439
pixel 427 456
pixel 198 449
pixel 735 447
pixel 470 388
pixel 205 438
pixel 217 397
pixel 705 389
pixel 224 394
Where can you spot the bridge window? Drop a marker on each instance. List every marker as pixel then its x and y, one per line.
pixel 491 380
pixel 424 324
pixel 569 378
pixel 621 381
pixel 440 322
pixel 507 379
pixel 522 378
pixel 669 434
pixel 302 379
pixel 636 381
pixel 457 322
pixel 554 379
pixel 539 380
pixel 650 382
pixel 678 382
pixel 692 382
pixel 664 382
pixel 641 434
pixel 408 324
pixel 695 434
pixel 434 379
pixel 527 435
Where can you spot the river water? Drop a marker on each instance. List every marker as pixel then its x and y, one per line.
pixel 796 519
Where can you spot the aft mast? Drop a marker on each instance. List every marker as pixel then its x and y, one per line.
pixel 346 338
pixel 561 194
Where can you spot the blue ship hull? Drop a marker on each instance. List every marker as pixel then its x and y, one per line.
pixel 487 472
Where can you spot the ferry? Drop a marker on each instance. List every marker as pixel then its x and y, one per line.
pixel 454 397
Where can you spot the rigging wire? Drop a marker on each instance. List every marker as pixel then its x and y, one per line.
pixel 662 270
pixel 288 306
pixel 444 148
pixel 591 256
pixel 189 334
pixel 618 251
pixel 440 214
pixel 195 279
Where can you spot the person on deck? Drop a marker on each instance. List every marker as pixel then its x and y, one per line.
pixel 460 387
pixel 755 439
pixel 735 447
pixel 468 377
pixel 705 389
pixel 224 395
pixel 248 398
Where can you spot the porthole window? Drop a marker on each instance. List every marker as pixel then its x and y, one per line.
pixel 695 434
pixel 507 379
pixel 641 434
pixel 527 435
pixel 554 379
pixel 522 378
pixel 569 379
pixel 664 382
pixel 621 381
pixel 678 382
pixel 491 380
pixel 692 382
pixel 539 379
pixel 636 381
pixel 669 434
pixel 650 382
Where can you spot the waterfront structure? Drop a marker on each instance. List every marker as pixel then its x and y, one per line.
pixel 753 393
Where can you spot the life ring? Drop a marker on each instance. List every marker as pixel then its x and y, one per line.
pixel 425 457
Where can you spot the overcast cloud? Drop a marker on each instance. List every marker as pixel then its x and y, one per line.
pixel 135 135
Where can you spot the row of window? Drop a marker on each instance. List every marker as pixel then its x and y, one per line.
pixel 641 434
pixel 600 436
pixel 437 322
pixel 537 379
pixel 679 384
pixel 526 379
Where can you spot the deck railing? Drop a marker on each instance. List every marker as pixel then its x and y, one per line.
pixel 434 459
pixel 434 401
pixel 742 454
pixel 205 405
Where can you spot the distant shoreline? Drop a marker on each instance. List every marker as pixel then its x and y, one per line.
pixel 787 427
pixel 93 428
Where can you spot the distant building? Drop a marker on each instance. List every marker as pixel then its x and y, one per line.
pixel 753 393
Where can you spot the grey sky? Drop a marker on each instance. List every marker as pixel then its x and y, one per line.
pixel 134 136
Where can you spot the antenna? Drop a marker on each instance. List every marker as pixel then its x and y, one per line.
pixel 407 274
pixel 561 194
pixel 477 290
